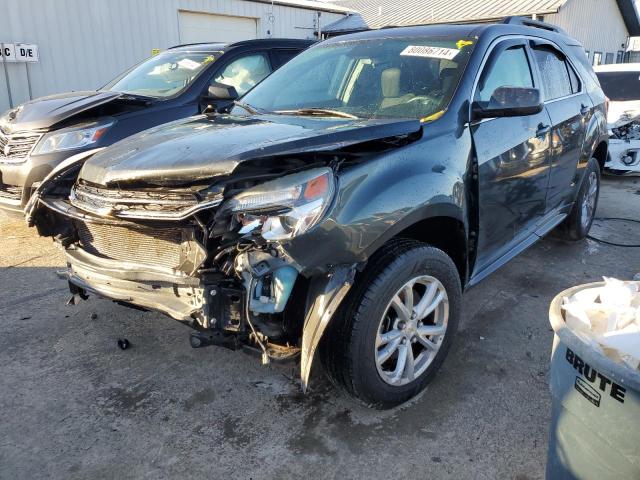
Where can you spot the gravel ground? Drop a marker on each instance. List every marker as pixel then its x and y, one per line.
pixel 72 405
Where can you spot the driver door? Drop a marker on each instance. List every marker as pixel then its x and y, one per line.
pixel 513 156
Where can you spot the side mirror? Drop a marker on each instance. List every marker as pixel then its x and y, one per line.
pixel 220 91
pixel 509 102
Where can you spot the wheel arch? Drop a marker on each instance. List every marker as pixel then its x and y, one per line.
pixel 441 226
pixel 600 154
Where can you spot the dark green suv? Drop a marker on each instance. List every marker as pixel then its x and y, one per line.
pixel 345 202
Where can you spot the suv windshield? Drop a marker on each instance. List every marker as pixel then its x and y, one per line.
pixel 380 78
pixel 164 75
pixel 620 86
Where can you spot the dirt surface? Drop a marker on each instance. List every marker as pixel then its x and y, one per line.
pixel 73 405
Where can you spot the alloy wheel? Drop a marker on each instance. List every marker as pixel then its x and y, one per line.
pixel 411 330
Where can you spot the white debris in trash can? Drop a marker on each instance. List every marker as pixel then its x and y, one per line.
pixel 608 319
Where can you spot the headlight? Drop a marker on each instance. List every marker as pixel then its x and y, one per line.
pixel 71 139
pixel 287 207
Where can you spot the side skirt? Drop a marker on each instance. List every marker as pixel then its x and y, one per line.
pixel 549 222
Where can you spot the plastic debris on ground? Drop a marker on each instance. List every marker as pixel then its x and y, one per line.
pixel 608 319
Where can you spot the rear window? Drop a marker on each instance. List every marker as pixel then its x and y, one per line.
pixel 620 86
pixel 556 79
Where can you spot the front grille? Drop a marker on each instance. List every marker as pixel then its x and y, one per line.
pixel 17 146
pixel 144 204
pixel 10 192
pixel 158 247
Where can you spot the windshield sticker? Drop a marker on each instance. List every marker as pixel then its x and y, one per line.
pixel 463 43
pixel 188 64
pixel 430 52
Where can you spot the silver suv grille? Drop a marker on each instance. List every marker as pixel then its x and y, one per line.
pixel 156 205
pixel 15 147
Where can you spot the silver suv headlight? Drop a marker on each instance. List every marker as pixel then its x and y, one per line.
pixel 71 138
pixel 287 207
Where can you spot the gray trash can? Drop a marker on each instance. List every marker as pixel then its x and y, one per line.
pixel 595 424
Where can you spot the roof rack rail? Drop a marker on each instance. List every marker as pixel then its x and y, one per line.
pixel 529 22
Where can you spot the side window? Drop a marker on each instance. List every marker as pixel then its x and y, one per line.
pixel 245 72
pixel 554 73
pixel 282 56
pixel 573 77
pixel 511 69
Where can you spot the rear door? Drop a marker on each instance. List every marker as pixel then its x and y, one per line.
pixel 513 158
pixel 201 27
pixel 569 108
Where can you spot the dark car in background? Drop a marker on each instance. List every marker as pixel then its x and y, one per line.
pixel 345 203
pixel 38 135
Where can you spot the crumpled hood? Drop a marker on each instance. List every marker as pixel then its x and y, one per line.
pixel 43 113
pixel 621 113
pixel 199 148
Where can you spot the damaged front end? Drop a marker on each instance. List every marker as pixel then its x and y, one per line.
pixel 213 257
pixel 224 242
pixel 624 148
pixel 624 137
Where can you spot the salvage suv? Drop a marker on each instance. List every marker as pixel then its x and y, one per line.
pixel 345 203
pixel 180 82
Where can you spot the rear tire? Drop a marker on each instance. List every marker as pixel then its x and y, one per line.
pixel 577 225
pixel 383 324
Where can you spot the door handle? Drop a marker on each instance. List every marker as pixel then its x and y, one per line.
pixel 584 110
pixel 543 129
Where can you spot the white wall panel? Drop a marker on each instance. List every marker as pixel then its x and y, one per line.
pixel 597 24
pixel 85 43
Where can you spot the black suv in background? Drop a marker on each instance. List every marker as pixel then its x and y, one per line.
pixel 38 135
pixel 345 203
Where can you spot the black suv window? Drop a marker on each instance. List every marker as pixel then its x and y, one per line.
pixel 511 69
pixel 557 82
pixel 281 56
pixel 245 72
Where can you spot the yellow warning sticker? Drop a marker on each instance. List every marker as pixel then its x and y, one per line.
pixel 463 43
pixel 155 51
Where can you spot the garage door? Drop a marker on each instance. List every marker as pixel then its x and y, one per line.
pixel 206 27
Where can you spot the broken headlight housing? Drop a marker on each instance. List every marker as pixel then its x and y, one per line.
pixel 284 208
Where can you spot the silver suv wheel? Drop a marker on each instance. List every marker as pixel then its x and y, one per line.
pixel 411 330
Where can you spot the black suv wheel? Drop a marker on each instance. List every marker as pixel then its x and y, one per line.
pixel 394 330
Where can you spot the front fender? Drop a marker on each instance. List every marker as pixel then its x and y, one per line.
pixel 378 199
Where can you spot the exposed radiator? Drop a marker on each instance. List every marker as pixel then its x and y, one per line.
pixel 158 247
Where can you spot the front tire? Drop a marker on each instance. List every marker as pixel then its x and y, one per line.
pixel 395 327
pixel 577 225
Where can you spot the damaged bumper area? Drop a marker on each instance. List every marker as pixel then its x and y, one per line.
pixel 219 265
pixel 624 155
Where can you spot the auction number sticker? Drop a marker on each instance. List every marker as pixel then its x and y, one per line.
pixel 430 52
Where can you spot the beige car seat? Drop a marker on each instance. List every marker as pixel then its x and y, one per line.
pixel 390 83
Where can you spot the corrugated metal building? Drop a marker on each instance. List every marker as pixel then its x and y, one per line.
pixel 602 26
pixel 85 43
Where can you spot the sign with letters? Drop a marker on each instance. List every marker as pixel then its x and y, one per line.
pixel 19 52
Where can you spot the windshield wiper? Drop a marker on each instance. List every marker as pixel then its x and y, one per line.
pixel 319 112
pixel 249 108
